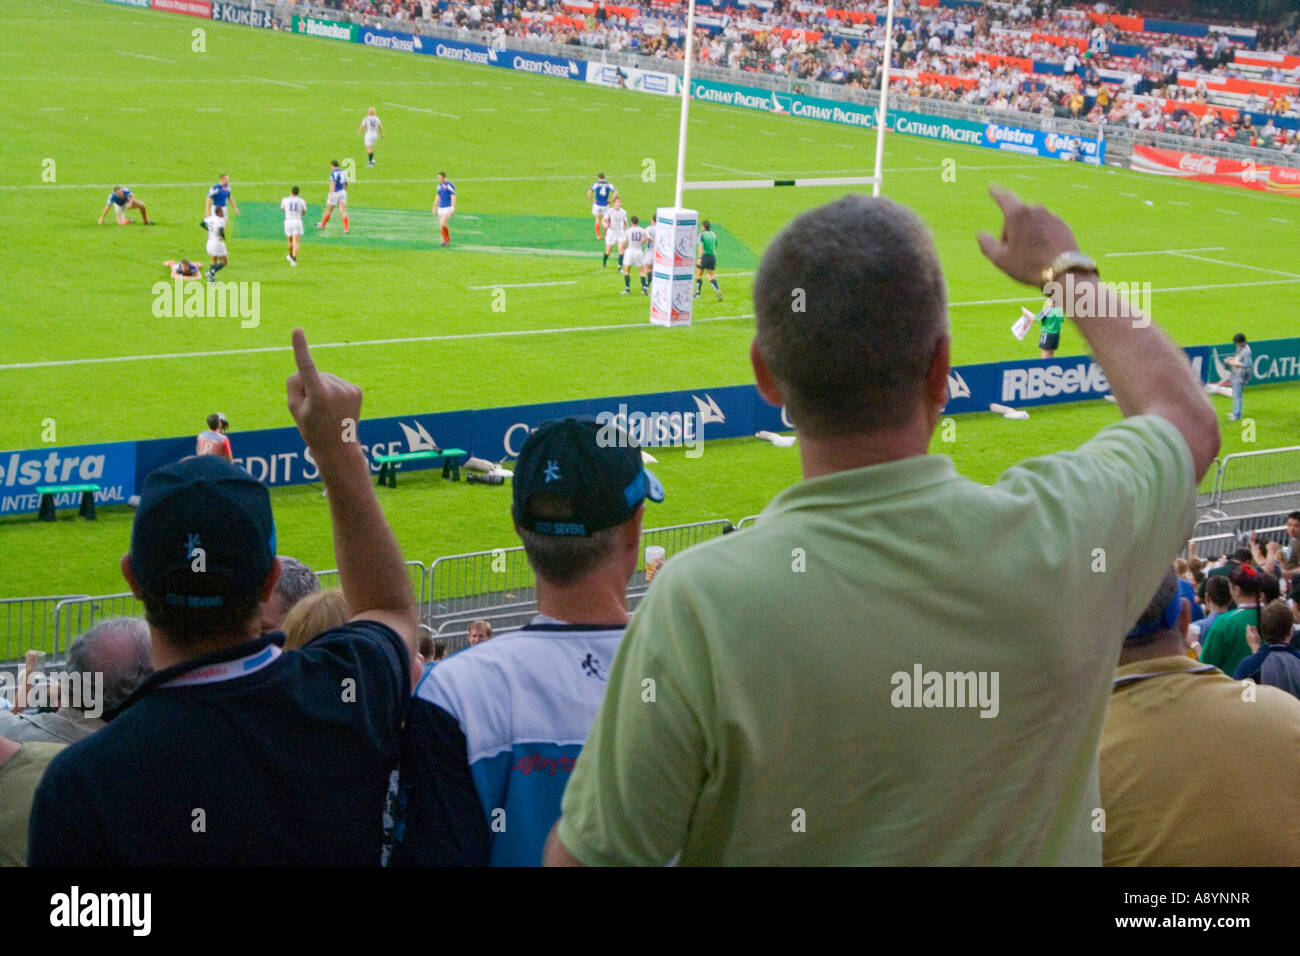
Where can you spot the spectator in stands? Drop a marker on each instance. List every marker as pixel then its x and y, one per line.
pixel 1292 549
pixel 733 745
pixel 427 647
pixel 214 441
pixel 313 616
pixel 199 764
pixel 1224 645
pixel 501 724
pixel 106 664
pixel 479 632
pixel 21 768
pixel 1273 661
pixel 1218 600
pixel 1163 785
pixel 1242 365
pixel 296 582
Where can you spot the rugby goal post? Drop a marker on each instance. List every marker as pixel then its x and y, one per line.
pixel 671 296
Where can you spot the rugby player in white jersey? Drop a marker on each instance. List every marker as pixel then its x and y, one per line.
pixel 615 231
pixel 338 196
pixel 215 224
pixel 634 257
pixel 373 130
pixel 295 207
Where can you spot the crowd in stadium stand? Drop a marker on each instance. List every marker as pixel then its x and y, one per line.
pixel 1074 60
pixel 743 715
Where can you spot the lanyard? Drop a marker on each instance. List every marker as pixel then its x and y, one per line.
pixel 228 670
pixel 1130 678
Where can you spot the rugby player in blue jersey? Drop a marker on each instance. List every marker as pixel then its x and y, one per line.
pixel 122 198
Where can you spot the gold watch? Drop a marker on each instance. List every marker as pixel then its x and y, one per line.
pixel 1069 262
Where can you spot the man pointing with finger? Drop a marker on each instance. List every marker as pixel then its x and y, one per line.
pixel 233 752
pixel 933 716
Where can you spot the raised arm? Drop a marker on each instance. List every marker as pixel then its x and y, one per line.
pixel 1148 374
pixel 326 409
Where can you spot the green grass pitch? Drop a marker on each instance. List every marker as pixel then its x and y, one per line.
pixel 95 94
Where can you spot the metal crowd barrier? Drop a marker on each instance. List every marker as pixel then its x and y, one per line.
pixel 73 616
pixel 1249 478
pixel 416 572
pixel 29 623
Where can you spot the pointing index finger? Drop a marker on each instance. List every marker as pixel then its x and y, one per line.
pixel 306 366
pixel 1007 201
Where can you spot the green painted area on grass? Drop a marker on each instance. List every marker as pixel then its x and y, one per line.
pixel 493 233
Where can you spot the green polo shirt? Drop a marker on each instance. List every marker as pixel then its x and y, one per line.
pixel 709 243
pixel 1225 646
pixel 772 701
pixel 1053 319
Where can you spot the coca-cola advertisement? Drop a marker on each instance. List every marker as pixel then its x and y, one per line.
pixel 1211 169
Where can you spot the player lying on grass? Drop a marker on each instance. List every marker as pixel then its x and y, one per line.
pixel 183 269
pixel 122 198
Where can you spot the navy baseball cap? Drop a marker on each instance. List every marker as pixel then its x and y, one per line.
pixel 590 474
pixel 203 532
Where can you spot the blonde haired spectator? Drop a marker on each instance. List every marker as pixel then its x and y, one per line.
pixel 313 616
pixel 479 632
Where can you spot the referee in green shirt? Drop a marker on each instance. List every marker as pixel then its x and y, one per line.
pixel 707 250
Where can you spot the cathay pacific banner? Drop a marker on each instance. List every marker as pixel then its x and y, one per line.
pixel 990 135
pixel 1275 360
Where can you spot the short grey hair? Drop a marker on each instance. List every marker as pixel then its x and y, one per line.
pixel 563 559
pixel 850 302
pixel 118 648
pixel 296 581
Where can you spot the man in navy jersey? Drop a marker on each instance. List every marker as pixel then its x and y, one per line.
pixel 493 732
pixel 233 752
pixel 219 195
pixel 338 195
pixel 122 198
pixel 601 194
pixel 445 206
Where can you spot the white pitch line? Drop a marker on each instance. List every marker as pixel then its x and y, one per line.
pixel 1164 252
pixel 733 169
pixel 730 275
pixel 1279 219
pixel 1175 202
pixel 1230 212
pixel 1238 265
pixel 522 332
pixel 521 285
pixel 144 56
pixel 264 79
pixel 417 109
pixel 1130 195
pixel 1173 288
pixel 506 333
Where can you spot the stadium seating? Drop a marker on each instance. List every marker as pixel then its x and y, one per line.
pixel 1223 82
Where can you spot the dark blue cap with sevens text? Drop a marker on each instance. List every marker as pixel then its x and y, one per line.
pixel 575 476
pixel 203 533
